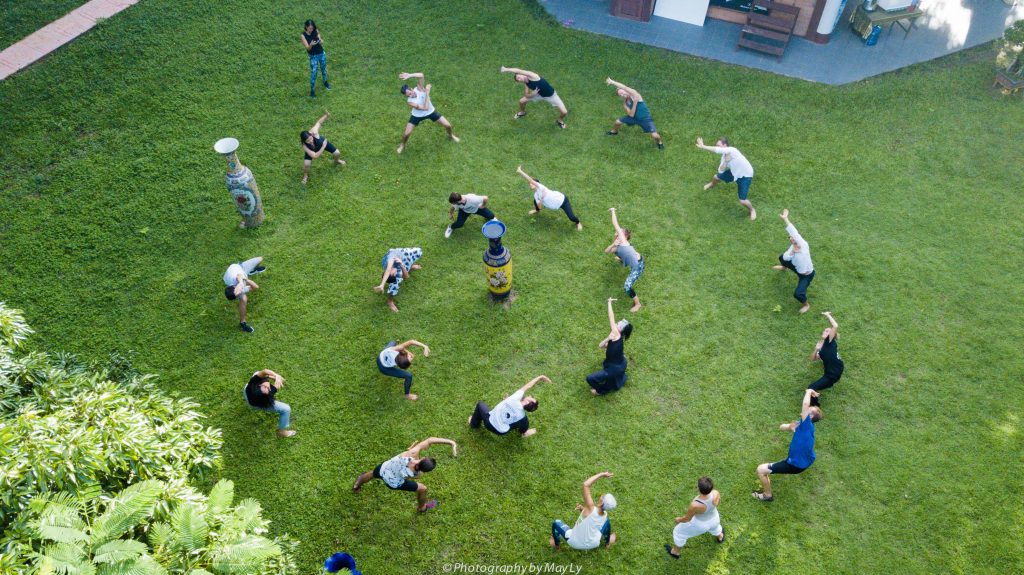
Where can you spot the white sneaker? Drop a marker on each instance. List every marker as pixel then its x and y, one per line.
pixel 448 232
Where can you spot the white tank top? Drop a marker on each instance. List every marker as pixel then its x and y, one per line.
pixel 709 516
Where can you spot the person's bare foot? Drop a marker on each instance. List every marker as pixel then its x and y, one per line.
pixel 805 307
pixel 339 162
pixel 393 307
pixel 285 432
pixel 611 540
pixel 594 391
pixel 579 226
pixel 753 214
pixel 635 308
pixel 530 432
pixel 304 180
pixel 780 268
pixel 401 147
pixel 416 267
pixel 708 185
pixel 356 487
pixel 455 139
pixel 531 212
pixel 551 543
pixel 412 397
pixel 469 421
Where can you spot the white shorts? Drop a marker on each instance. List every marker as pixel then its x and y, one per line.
pixel 553 99
pixel 684 531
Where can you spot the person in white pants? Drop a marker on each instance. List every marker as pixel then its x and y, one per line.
pixel 702 517
pixel 236 278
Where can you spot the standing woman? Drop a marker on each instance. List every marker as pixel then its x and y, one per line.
pixel 627 254
pixel 397 263
pixel 613 376
pixel 314 45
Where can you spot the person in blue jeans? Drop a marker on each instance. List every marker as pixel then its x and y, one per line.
pixel 592 527
pixel 395 359
pixel 801 448
pixel 314 45
pixel 260 394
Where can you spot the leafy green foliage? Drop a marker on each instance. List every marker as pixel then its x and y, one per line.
pixel 1011 46
pixel 71 535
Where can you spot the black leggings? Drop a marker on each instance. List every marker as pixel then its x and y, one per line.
pixel 824 382
pixel 566 207
pixel 460 219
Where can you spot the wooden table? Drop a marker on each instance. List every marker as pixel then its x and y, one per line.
pixel 862 21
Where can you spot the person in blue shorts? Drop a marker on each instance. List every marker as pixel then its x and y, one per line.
pixel 627 254
pixel 399 471
pixel 733 167
pixel 637 113
pixel 418 98
pixel 314 145
pixel 801 448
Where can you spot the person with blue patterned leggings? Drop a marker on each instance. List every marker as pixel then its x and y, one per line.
pixel 627 254
pixel 397 264
pixel 314 45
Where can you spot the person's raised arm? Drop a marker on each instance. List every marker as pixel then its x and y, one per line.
pixel 588 500
pixel 620 234
pixel 835 325
pixel 422 446
pixel 615 221
pixel 533 382
pixel 700 144
pixel 792 230
pixel 403 345
pixel 527 177
pixel 633 94
pixel 316 127
pixel 806 407
pixel 615 333
pixel 533 76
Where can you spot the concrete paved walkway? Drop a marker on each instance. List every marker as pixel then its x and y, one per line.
pixel 57 33
pixel 947 26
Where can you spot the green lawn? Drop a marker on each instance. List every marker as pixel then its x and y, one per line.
pixel 19 18
pixel 115 229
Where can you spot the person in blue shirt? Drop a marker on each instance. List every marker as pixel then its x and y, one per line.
pixel 637 113
pixel 801 448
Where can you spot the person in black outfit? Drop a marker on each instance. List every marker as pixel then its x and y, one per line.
pixel 314 45
pixel 314 145
pixel 537 88
pixel 827 350
pixel 259 394
pixel 613 376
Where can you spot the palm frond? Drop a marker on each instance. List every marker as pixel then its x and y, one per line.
pixel 190 528
pixel 119 550
pixel 125 511
pixel 245 555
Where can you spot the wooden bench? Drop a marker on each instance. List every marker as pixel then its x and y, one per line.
pixel 1008 81
pixel 769 27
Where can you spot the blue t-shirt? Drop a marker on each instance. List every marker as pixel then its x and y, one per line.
pixel 801 449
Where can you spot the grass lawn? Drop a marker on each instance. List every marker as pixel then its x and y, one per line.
pixel 19 18
pixel 115 229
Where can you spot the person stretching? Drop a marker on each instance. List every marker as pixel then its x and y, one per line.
pixel 550 199
pixel 701 517
pixel 627 254
pixel 827 350
pixel 314 145
pixel 467 205
pixel 236 278
pixel 510 413
pixel 397 471
pixel 613 375
pixel 418 98
pixel 637 113
pixel 536 89
pixel 734 166
pixel 397 263
pixel 260 394
pixel 592 527
pixel 798 259
pixel 394 359
pixel 801 448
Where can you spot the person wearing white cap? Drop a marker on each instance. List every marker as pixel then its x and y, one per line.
pixel 593 526
pixel 701 517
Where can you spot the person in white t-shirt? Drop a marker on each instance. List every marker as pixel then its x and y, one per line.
pixel 798 259
pixel 733 167
pixel 395 358
pixel 593 526
pixel 418 98
pixel 236 278
pixel 466 205
pixel 397 473
pixel 510 413
pixel 701 517
pixel 550 199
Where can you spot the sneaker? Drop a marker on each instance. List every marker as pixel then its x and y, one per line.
pixel 612 133
pixel 259 269
pixel 661 146
pixel 448 232
pixel 246 327
pixel 518 115
pixel 560 123
pixel 327 85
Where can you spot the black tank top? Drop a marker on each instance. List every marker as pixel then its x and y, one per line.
pixel 542 87
pixel 314 49
pixel 829 354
